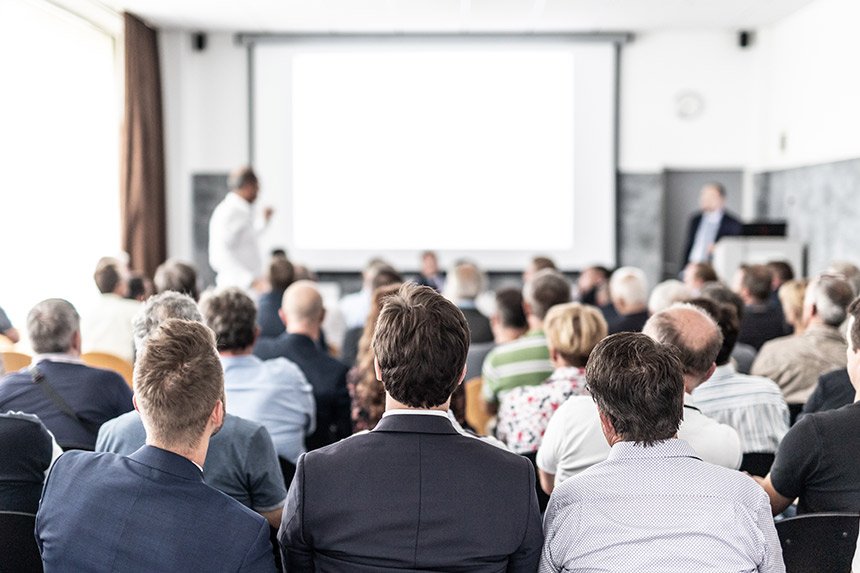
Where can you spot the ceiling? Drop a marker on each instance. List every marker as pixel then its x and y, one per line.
pixel 518 16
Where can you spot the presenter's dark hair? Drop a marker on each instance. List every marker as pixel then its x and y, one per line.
pixel 241 177
pixel 721 189
pixel 231 314
pixel 638 384
pixel 420 343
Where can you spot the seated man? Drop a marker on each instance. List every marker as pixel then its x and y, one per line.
pixel 72 399
pixel 178 276
pixel 653 505
pixel 628 290
pixel 413 494
pixel 107 324
pixel 151 511
pixel 274 392
pixel 280 276
pixel 241 460
pixel 816 461
pixel 833 391
pixel 761 321
pixel 508 322
pixel 27 450
pixel 464 284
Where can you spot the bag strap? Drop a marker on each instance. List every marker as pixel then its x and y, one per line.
pixel 40 380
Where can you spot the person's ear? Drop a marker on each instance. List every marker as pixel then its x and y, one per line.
pixel 134 403
pixel 322 315
pixel 711 371
pixel 553 355
pixel 462 375
pixel 217 415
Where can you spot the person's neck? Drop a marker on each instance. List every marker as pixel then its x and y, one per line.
pixel 691 383
pixel 309 330
pixel 535 323
pixel 232 353
pixel 392 404
pixel 508 334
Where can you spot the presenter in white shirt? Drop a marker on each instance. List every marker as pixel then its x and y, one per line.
pixel 234 250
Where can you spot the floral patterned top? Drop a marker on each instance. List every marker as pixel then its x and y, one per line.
pixel 524 412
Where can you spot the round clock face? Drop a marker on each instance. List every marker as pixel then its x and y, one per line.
pixel 689 105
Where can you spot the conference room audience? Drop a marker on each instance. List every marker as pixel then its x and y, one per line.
pixel 462 286
pixel 795 362
pixel 151 510
pixel 275 392
pixel 139 288
pixel 178 276
pixel 816 462
pixel 592 286
pixel 279 276
pixel 697 275
pixel 653 505
pixel 752 405
pixel 833 391
pixel 743 355
pixel 781 273
pixel 847 270
pixel 382 275
pixel 508 322
pixel 430 274
pixel 356 306
pixel 302 313
pixel 241 460
pixel 72 399
pixel 628 289
pixel 525 361
pixel 27 450
pixel 667 293
pixel 537 264
pixel 790 297
pixel 106 326
pixel 424 501
pixel 761 321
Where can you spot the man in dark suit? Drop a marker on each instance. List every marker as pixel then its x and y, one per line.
pixel 302 312
pixel 151 510
pixel 833 391
pixel 710 225
pixel 413 493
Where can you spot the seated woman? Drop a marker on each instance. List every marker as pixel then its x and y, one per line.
pixel 572 331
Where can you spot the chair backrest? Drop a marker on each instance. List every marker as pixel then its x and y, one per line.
pixel 476 414
pixel 818 542
pixel 13 361
pixel 18 549
pixel 104 360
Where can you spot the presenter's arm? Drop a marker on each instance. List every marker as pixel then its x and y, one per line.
pixel 527 556
pixel 297 555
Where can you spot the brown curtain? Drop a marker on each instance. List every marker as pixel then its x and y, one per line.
pixel 142 200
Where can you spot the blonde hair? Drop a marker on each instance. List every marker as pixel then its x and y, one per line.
pixel 791 295
pixel 573 330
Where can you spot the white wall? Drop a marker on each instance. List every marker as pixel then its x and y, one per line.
pixel 205 116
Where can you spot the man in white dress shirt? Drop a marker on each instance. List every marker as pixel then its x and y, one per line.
pixel 653 505
pixel 234 250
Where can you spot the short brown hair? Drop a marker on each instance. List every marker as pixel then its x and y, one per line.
pixel 573 329
pixel 231 314
pixel 781 270
pixel 638 385
pixel 697 348
pixel 703 272
pixel 545 290
pixel 757 280
pixel 178 379
pixel 509 308
pixel 420 343
pixel 281 273
pixel 108 274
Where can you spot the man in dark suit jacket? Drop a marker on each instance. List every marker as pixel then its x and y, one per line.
pixel 413 493
pixel 833 391
pixel 465 283
pixel 151 511
pixel 72 399
pixel 710 225
pixel 303 313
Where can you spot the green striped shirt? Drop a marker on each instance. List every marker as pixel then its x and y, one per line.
pixel 521 362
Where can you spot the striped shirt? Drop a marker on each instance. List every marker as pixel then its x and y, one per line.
pixel 752 405
pixel 659 508
pixel 521 362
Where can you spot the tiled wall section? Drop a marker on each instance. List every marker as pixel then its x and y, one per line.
pixel 821 204
pixel 640 222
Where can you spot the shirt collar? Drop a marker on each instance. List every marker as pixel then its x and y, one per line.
pixel 672 448
pixel 403 411
pixel 236 201
pixel 727 370
pixel 57 357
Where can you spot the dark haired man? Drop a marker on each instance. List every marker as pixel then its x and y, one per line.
pixel 413 494
pixel 761 320
pixel 653 505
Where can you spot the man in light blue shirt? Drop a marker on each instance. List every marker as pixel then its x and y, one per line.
pixel 275 392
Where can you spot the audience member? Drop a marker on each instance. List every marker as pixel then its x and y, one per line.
pixel 368 395
pixel 653 505
pixel 743 355
pixel 140 287
pixel 761 321
pixel 430 274
pixel 274 393
pixel 6 328
pixel 790 297
pixel 710 225
pixel 816 461
pixel 280 277
pixel 107 325
pixel 592 286
pixel 241 460
pixel 303 314
pixel 234 251
pixel 628 288
pixel 383 275
pixel 151 510
pixel 752 405
pixel 536 265
pixel 27 450
pixel 508 323
pixel 668 293
pixel 574 441
pixel 465 282
pixel 781 273
pixel 413 494
pixel 849 271
pixel 833 391
pixel 525 361
pixel 697 275
pixel 795 362
pixel 72 400
pixel 356 306
pixel 178 276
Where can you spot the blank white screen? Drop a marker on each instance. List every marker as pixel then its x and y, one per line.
pixel 492 152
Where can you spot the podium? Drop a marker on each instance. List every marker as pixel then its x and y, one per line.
pixel 731 252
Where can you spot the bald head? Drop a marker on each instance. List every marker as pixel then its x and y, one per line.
pixel 694 334
pixel 302 308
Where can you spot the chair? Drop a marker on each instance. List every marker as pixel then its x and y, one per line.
pixel 818 542
pixel 18 549
pixel 476 413
pixel 757 464
pixel 110 362
pixel 13 361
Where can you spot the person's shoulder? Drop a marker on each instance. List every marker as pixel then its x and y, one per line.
pixel 74 463
pixel 285 370
pixel 122 423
